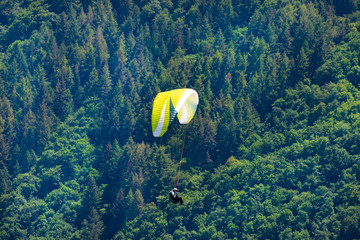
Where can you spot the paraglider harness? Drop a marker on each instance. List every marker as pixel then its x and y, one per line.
pixel 174 198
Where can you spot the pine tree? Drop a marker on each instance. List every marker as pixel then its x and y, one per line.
pixel 121 59
pixel 92 227
pixel 106 83
pixel 7 130
pixel 139 201
pixel 101 48
pixel 4 145
pixel 44 126
pixel 130 205
pixel 62 104
pixel 90 203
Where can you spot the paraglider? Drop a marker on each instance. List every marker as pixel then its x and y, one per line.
pixel 180 103
pixel 174 197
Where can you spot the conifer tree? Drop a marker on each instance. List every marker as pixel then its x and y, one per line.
pixel 101 47
pixel 90 203
pixel 92 227
pixel 62 104
pixel 106 83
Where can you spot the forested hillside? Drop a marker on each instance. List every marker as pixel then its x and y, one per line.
pixel 273 151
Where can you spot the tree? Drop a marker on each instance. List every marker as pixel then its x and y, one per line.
pixel 106 84
pixel 101 47
pixel 62 100
pixel 92 228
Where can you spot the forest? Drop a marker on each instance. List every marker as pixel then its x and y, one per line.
pixel 273 151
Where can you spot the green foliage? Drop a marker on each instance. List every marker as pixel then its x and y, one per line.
pixel 272 153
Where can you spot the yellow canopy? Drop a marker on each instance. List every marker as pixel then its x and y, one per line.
pixel 180 102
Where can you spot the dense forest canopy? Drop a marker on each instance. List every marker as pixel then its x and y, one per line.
pixel 273 151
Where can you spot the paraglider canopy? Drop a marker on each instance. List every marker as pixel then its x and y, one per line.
pixel 180 102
